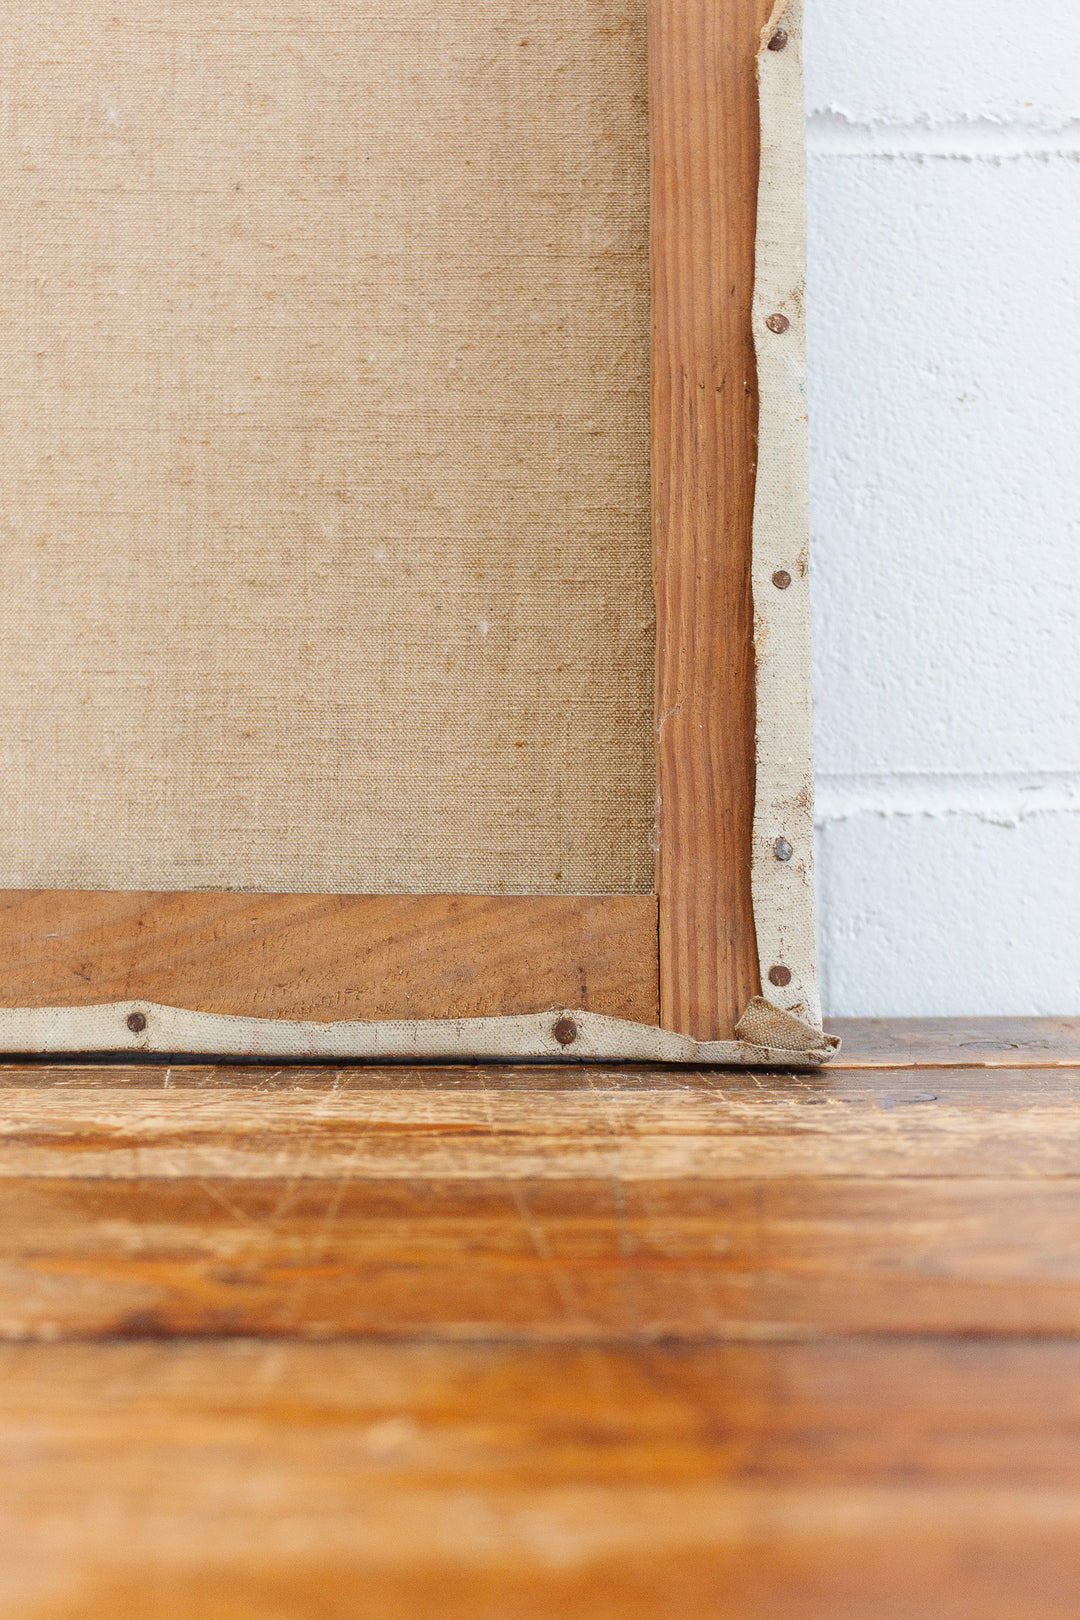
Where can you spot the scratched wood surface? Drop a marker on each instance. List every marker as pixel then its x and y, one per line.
pixel 703 119
pixel 935 1043
pixel 547 1202
pixel 555 1342
pixel 331 956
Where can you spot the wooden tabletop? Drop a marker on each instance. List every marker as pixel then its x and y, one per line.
pixel 546 1343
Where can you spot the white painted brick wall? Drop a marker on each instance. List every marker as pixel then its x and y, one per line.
pixel 944 166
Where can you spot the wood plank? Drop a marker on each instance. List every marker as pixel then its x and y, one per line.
pixel 314 1482
pixel 569 1262
pixel 704 133
pixel 483 1135
pixel 878 1087
pixel 331 956
pixel 833 1410
pixel 962 1043
pixel 537 1203
pixel 700 1381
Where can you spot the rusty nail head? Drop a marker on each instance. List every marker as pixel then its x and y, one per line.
pixel 565 1031
pixel 136 1022
pixel 781 579
pixel 779 975
pixel 782 850
pixel 777 323
pixel 779 40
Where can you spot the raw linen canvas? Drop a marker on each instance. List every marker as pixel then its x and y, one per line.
pixel 324 446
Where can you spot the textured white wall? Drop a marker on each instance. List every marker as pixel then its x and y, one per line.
pixel 944 164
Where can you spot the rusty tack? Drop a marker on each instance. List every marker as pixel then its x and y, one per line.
pixel 779 40
pixel 781 579
pixel 136 1022
pixel 779 975
pixel 777 323
pixel 565 1031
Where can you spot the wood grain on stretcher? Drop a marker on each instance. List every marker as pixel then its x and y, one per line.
pixel 703 122
pixel 331 957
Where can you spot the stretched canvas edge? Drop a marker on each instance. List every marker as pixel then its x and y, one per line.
pixel 782 869
pixel 767 1038
pixel 782 1026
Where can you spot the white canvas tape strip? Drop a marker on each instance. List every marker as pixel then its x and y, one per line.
pixel 783 854
pixel 781 1027
pixel 106 1028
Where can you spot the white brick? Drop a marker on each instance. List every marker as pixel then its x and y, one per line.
pixel 950 915
pixel 945 373
pixel 944 60
pixel 945 411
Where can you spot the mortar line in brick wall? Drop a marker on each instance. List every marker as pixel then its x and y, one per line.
pixel 830 133
pixel 1004 798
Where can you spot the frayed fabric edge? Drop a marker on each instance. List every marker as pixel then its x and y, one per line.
pixel 782 862
pixel 148 1027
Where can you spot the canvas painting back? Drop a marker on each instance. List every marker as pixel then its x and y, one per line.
pixel 324 447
